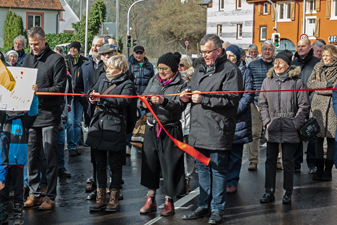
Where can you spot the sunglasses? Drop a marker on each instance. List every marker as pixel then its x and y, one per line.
pixel 181 65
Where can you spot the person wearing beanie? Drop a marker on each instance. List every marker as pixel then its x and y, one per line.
pixel 281 119
pixel 159 152
pixel 243 128
pixel 73 126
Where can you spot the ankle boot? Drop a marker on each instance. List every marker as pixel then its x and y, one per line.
pixel 320 169
pixel 327 174
pixel 17 211
pixel 150 205
pixel 100 200
pixel 113 201
pixel 168 209
pixel 4 218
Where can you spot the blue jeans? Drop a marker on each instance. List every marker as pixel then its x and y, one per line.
pixel 60 148
pixel 73 125
pixel 213 180
pixel 234 165
pixel 43 173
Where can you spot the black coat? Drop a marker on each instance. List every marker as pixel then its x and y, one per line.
pixel 140 75
pixel 51 77
pixel 213 120
pixel 170 111
pixel 107 128
pixel 74 66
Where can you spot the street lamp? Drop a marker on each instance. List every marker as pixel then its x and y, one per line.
pixel 275 15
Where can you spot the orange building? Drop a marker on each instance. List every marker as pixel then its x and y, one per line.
pixel 319 21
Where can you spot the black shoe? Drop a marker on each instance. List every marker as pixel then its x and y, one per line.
pixel 312 169
pixel 266 198
pixel 90 180
pixel 216 217
pixel 64 173
pixel 5 217
pixel 80 143
pixel 297 170
pixel 122 181
pixel 78 152
pixel 72 152
pixel 92 195
pixel 85 145
pixel 286 199
pixel 198 213
pixel 120 197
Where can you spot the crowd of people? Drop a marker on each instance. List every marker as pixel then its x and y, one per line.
pixel 218 125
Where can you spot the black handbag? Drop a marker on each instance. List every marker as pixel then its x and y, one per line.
pixel 310 128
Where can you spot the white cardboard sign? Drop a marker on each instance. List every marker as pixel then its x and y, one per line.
pixel 22 95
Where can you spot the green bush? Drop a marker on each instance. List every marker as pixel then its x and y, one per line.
pixel 13 28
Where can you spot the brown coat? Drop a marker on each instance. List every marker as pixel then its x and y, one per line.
pixel 321 104
pixel 277 108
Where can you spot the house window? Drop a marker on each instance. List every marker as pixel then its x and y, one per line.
pixel 284 12
pixel 265 8
pixel 310 28
pixel 334 9
pixel 221 4
pixel 219 30
pixel 34 19
pixel 263 33
pixel 310 7
pixel 238 4
pixel 238 31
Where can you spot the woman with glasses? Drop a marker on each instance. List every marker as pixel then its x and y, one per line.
pixel 243 128
pixel 281 118
pixel 159 152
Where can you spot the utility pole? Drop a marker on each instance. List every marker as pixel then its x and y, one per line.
pixel 80 9
pixel 128 22
pixel 86 30
pixel 117 19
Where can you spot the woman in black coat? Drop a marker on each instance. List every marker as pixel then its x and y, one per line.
pixel 107 129
pixel 159 152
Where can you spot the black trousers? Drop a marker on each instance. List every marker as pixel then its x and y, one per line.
pixel 330 151
pixel 14 177
pixel 114 158
pixel 161 154
pixel 288 150
pixel 48 137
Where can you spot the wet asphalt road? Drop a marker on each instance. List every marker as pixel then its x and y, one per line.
pixel 312 202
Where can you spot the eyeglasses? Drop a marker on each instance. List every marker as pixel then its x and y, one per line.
pixel 163 68
pixel 207 52
pixel 278 63
pixel 181 65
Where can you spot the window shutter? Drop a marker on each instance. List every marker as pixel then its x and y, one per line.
pixel 292 11
pixel 268 8
pixel 317 27
pixel 273 14
pixel 328 9
pixel 318 5
pixel 259 6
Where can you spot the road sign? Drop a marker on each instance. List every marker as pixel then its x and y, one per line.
pixel 304 36
pixel 186 43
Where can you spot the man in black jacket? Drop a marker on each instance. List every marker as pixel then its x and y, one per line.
pixel 73 125
pixel 304 57
pixel 51 77
pixel 213 120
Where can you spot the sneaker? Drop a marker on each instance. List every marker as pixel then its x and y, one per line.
pixel 252 166
pixel 47 204
pixel 128 150
pixel 64 173
pixel 279 166
pixel 312 169
pixel 32 201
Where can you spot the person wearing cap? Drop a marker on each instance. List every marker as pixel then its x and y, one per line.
pixel 243 128
pixel 281 120
pixel 73 125
pixel 212 128
pixel 159 152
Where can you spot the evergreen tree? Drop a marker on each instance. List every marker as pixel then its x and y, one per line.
pixel 13 28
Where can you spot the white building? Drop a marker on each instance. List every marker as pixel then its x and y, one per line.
pixel 67 17
pixel 232 20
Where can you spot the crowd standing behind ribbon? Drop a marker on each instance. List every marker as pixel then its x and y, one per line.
pixel 218 127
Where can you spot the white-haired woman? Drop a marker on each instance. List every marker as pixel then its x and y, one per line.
pixel 19 46
pixel 107 129
pixel 13 58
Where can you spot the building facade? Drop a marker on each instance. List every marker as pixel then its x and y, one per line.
pixel 232 20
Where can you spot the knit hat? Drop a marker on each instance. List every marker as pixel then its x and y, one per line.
pixel 170 59
pixel 75 44
pixel 286 55
pixel 242 52
pixel 236 51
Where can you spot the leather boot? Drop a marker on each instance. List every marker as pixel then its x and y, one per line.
pixel 320 168
pixel 100 200
pixel 327 174
pixel 113 201
pixel 168 209
pixel 150 205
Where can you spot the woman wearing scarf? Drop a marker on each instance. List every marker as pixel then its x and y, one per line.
pixel 324 75
pixel 159 152
pixel 281 119
pixel 107 129
pixel 243 128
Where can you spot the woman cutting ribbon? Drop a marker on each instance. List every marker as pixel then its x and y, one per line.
pixel 159 152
